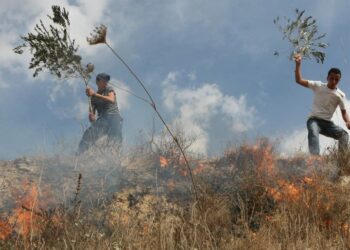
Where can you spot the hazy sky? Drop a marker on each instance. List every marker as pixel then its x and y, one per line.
pixel 209 64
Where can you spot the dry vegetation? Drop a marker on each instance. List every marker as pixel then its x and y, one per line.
pixel 250 198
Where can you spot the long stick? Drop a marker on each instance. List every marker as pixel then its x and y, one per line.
pixel 153 105
pixel 128 91
pixel 86 84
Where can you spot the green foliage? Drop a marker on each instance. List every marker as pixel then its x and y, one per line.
pixel 53 49
pixel 302 33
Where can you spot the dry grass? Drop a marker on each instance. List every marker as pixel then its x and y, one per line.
pixel 249 199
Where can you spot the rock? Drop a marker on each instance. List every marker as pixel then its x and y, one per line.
pixel 26 164
pixel 344 180
pixel 28 168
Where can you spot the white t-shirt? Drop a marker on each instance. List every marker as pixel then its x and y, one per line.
pixel 326 100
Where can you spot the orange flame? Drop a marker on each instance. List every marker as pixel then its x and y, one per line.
pixel 5 230
pixel 164 162
pixel 198 169
pixel 262 157
pixel 26 216
pixel 29 217
pixel 285 192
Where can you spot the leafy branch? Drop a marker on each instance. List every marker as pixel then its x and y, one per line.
pixel 53 49
pixel 303 35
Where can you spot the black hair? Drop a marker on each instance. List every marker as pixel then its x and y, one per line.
pixel 335 71
pixel 103 76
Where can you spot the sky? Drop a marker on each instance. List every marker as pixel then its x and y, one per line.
pixel 209 65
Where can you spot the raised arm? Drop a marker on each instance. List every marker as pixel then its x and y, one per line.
pixel 298 77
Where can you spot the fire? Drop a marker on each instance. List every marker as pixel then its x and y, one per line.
pixel 270 176
pixel 198 169
pixel 313 160
pixel 262 156
pixel 164 162
pixel 26 217
pixel 29 216
pixel 285 191
pixel 5 230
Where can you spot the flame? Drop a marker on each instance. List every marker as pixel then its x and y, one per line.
pixel 262 157
pixel 5 230
pixel 267 160
pixel 285 191
pixel 26 217
pixel 313 160
pixel 198 169
pixel 164 162
pixel 29 217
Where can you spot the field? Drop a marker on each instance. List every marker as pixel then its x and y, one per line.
pixel 248 198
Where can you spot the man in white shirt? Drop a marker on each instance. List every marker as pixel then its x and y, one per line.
pixel 327 97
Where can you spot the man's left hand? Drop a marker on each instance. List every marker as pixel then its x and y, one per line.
pixel 348 124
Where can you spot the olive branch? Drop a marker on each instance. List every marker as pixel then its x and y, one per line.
pixel 303 35
pixel 53 50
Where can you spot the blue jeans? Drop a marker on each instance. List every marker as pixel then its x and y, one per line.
pixel 110 125
pixel 317 126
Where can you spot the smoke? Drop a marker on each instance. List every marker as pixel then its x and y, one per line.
pixel 297 140
pixel 198 108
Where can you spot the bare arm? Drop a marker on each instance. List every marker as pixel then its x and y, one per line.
pixel 298 77
pixel 109 98
pixel 346 118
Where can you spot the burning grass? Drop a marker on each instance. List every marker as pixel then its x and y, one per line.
pixel 248 198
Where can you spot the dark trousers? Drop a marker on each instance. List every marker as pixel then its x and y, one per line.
pixel 109 125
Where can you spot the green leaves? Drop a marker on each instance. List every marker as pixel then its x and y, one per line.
pixel 60 17
pixel 52 48
pixel 302 33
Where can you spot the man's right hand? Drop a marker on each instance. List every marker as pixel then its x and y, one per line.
pixel 92 117
pixel 297 59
